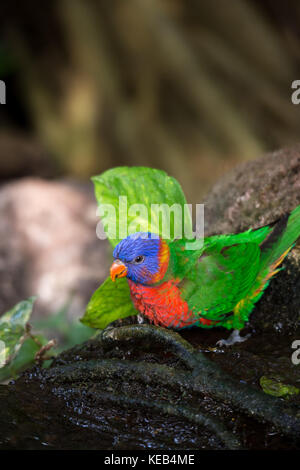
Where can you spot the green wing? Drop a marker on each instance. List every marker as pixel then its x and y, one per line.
pixel 216 278
pixel 221 279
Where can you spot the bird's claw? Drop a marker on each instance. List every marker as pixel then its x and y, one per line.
pixel 232 339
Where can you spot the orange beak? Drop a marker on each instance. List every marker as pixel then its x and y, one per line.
pixel 118 269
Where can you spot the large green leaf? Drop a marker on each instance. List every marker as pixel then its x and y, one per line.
pixel 141 186
pixel 109 302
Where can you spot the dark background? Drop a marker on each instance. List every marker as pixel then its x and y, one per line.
pixel 193 87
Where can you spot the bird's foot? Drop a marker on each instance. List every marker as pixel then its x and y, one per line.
pixel 233 338
pixel 141 319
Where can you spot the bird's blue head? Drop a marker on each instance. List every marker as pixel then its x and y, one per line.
pixel 141 257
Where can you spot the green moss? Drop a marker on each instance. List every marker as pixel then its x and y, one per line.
pixel 273 386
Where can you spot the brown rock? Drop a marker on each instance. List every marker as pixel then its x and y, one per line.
pixel 255 193
pixel 48 245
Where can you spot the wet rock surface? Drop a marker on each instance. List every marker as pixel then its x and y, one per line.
pixel 142 387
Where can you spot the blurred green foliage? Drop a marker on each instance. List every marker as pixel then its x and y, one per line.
pixel 18 346
pixel 21 346
pixel 67 331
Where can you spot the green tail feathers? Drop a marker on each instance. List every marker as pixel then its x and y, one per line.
pixel 274 249
pixel 284 234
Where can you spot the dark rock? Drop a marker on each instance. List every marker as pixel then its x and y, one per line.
pixel 256 193
pixel 279 308
pixel 142 387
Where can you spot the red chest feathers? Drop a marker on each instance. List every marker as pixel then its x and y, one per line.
pixel 162 304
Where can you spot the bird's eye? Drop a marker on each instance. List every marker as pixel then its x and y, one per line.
pixel 139 259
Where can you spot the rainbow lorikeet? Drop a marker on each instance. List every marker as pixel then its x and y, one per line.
pixel 216 285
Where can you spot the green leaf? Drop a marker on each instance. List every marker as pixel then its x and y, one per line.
pixel 110 302
pixel 23 359
pixel 273 386
pixel 19 314
pixel 143 186
pixel 13 328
